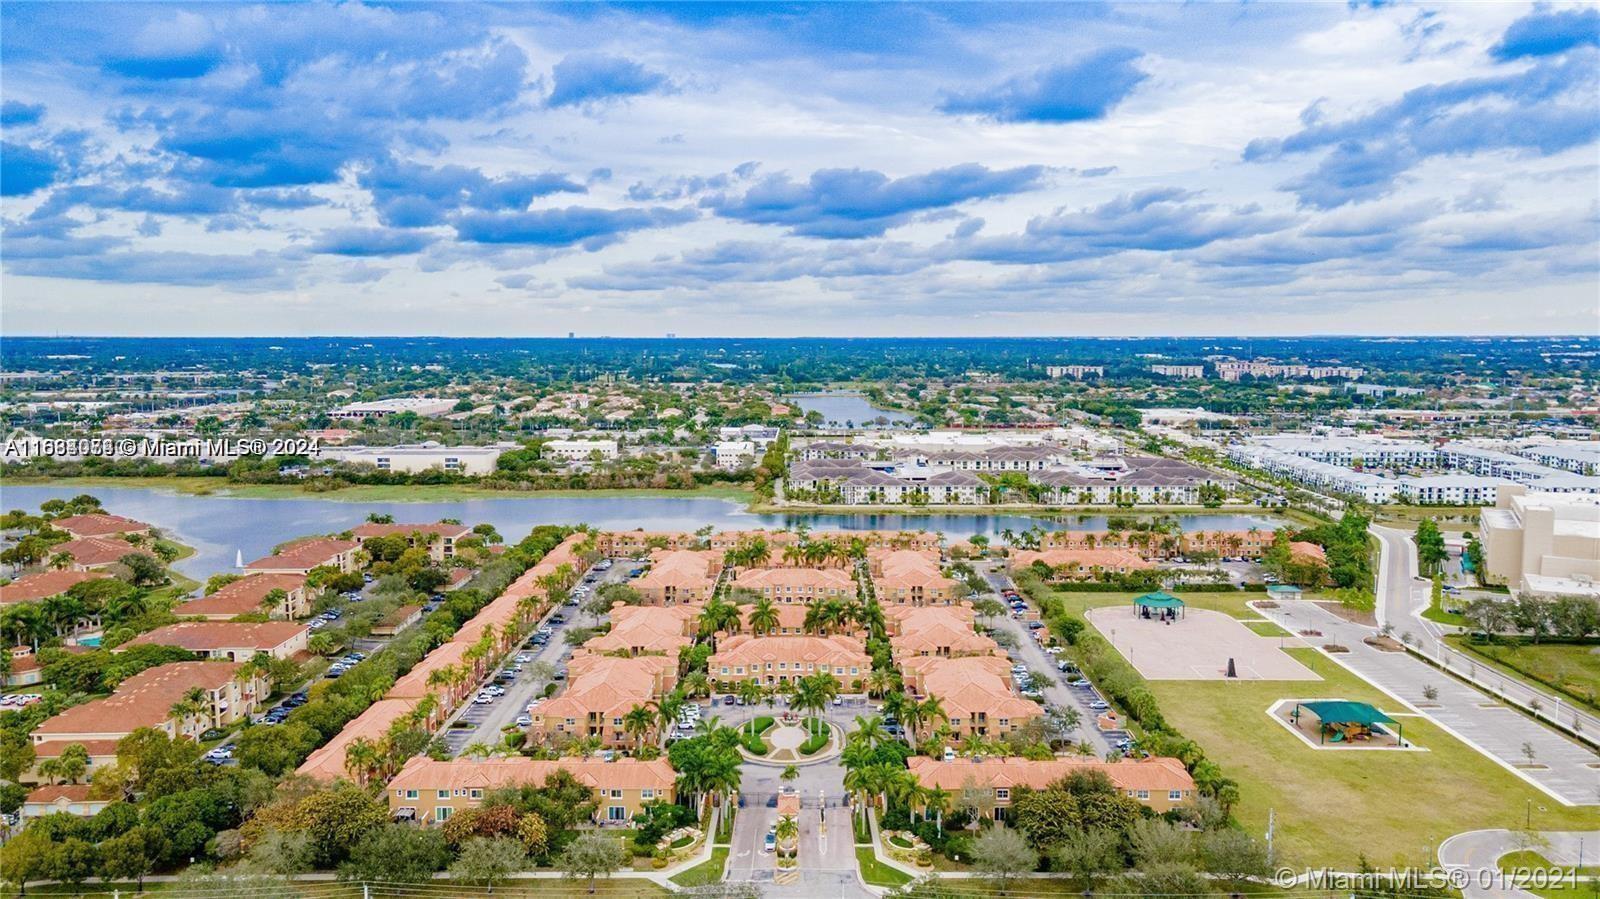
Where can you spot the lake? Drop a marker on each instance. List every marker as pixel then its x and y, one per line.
pixel 846 410
pixel 219 527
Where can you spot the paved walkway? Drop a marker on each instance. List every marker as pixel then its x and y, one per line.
pixel 1567 771
pixel 1477 853
pixel 1402 600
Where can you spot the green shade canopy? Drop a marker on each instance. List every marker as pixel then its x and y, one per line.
pixel 1344 711
pixel 1159 600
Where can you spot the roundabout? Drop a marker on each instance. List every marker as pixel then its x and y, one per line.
pixel 793 741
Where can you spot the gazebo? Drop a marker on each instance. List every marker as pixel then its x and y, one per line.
pixel 1283 591
pixel 1343 719
pixel 1165 605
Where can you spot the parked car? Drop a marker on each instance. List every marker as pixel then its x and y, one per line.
pixel 770 842
pixel 729 699
pixel 524 720
pixel 1099 705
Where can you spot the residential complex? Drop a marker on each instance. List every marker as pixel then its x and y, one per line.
pixel 431 791
pixel 439 538
pixel 251 594
pixel 229 640
pixel 1161 784
pixel 300 556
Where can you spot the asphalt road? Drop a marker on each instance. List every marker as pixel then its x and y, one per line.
pixel 1478 852
pixel 1030 653
pixel 488 719
pixel 826 855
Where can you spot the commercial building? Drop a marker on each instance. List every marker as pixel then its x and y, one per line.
pixel 249 595
pixel 301 556
pixel 425 406
pixel 234 641
pixel 733 454
pixel 475 461
pixel 431 791
pixel 1075 371
pixel 1542 543
pixel 579 450
pixel 1160 783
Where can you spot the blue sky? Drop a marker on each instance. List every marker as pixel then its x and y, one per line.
pixel 838 169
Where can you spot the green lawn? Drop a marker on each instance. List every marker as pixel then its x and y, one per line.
pixel 363 493
pixel 1573 669
pixel 1333 807
pixel 515 889
pixel 1267 629
pixel 1227 603
pixel 1530 858
pixel 709 871
pixel 877 873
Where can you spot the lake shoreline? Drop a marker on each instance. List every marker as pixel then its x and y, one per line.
pixel 358 493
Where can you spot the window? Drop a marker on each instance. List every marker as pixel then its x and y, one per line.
pixel 411 794
pixel 442 813
pixel 616 813
pixel 1002 793
pixel 475 793
pixel 1174 795
pixel 1144 794
pixel 616 794
pixel 442 794
pixel 647 794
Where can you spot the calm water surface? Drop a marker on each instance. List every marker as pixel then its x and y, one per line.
pixel 220 527
pixel 844 410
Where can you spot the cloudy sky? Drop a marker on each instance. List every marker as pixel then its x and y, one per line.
pixel 841 169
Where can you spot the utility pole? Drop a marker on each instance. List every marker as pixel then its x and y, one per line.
pixel 1271 827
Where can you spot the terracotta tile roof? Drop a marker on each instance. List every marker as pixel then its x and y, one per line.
pixel 683 568
pixel 99 550
pixel 327 762
pixel 423 773
pixel 50 749
pixel 414 683
pixel 1153 774
pixel 746 650
pixel 791 615
pixel 43 584
pixel 1303 549
pixel 969 685
pixel 143 700
pixel 647 629
pixel 438 529
pixel 1105 559
pixel 606 685
pixel 202 636
pixel 808 581
pixel 98 525
pixel 905 568
pixel 304 555
pixel 243 596
pixel 56 792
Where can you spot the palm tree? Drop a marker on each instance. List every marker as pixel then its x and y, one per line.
pixel 667 709
pixel 637 722
pixel 869 731
pixel 763 617
pixel 361 758
pixel 930 710
pixel 718 615
pixel 192 705
pixel 936 800
pixel 750 693
pixel 787 829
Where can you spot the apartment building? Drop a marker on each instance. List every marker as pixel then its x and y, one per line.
pixel 425 406
pixel 70 799
pixel 797 585
pixel 1075 371
pixel 784 659
pixel 911 577
pixel 1451 489
pixel 99 524
pixel 42 585
pixel 1179 371
pixel 791 619
pixel 1082 564
pixel 642 630
pixel 248 595
pixel 146 700
pixel 1542 543
pixel 301 556
pixel 1160 783
pixel 233 641
pixel 975 691
pixel 601 691
pixel 97 553
pixel 935 631
pixel 439 538
pixel 679 576
pixel 431 791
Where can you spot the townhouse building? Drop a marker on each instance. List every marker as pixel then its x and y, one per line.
pixel 911 577
pixel 42 585
pixel 975 691
pixel 1159 783
pixel 797 585
pixel 601 691
pixel 935 631
pixel 430 791
pixel 99 524
pixel 642 630
pixel 98 553
pixel 1082 564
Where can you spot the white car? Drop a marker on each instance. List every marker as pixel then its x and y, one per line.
pixel 524 720
pixel 524 658
pixel 483 699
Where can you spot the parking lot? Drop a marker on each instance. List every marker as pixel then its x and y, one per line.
pixel 508 694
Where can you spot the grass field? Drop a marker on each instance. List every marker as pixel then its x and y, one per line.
pixel 1226 603
pixel 877 873
pixel 1573 669
pixel 709 871
pixel 1267 629
pixel 361 493
pixel 1333 807
pixel 562 888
